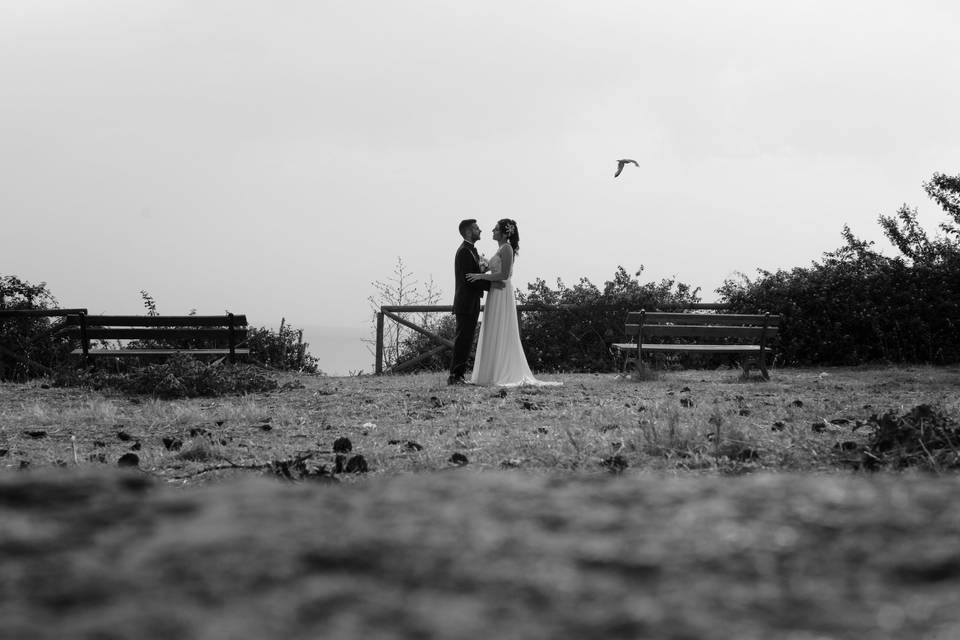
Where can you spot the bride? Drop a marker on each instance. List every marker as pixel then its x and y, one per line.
pixel 500 359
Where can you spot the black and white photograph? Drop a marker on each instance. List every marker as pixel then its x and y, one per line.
pixel 528 319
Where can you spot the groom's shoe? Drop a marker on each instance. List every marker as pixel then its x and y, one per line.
pixel 454 380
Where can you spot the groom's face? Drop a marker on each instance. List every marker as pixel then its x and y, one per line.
pixel 474 233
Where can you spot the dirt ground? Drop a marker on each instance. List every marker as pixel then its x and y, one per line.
pixel 458 554
pixel 538 536
pixel 684 421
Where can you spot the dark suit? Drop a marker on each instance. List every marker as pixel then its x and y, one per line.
pixel 466 305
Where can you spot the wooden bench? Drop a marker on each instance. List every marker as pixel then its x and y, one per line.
pixel 229 331
pixel 718 328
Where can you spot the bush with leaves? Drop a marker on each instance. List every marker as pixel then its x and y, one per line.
pixel 578 324
pixel 415 344
pixel 283 349
pixel 857 306
pixel 28 337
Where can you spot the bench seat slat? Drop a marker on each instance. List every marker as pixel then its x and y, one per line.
pixel 110 333
pixel 159 352
pixel 159 321
pixel 691 348
pixel 659 317
pixel 699 331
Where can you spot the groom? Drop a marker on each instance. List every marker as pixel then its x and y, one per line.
pixel 466 299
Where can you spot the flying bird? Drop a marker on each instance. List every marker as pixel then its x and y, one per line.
pixel 621 163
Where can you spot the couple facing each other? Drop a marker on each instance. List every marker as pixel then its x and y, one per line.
pixel 500 359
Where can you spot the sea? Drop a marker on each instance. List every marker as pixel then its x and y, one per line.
pixel 340 351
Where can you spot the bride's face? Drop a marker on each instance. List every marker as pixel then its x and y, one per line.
pixel 496 233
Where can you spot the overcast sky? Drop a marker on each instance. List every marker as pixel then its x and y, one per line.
pixel 275 158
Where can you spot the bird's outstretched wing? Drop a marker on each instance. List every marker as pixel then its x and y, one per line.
pixel 620 165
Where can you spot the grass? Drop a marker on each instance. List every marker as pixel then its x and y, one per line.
pixel 690 505
pixel 684 421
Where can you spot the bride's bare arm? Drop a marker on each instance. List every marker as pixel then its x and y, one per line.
pixel 506 262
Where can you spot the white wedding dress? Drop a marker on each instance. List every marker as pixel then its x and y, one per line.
pixel 500 360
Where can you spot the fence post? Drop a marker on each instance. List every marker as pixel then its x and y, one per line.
pixel 379 364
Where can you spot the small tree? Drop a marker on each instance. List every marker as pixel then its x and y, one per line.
pixel 905 233
pixel 149 303
pixel 400 342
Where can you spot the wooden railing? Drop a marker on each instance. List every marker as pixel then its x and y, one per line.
pixel 443 344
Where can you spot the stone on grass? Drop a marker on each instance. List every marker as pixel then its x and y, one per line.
pixel 128 460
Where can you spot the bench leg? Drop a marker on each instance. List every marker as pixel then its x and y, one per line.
pixel 763 366
pixel 761 363
pixel 622 360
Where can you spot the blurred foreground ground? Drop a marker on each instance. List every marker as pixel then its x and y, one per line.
pixel 457 554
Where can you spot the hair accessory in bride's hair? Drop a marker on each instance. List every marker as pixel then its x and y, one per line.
pixel 508 230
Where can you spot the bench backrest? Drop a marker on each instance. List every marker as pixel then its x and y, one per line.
pixel 230 327
pixel 702 325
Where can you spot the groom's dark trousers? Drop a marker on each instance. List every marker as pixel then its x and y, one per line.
pixel 466 306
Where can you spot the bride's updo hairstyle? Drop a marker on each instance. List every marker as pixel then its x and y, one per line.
pixel 508 229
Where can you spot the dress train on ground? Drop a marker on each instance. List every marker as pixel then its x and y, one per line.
pixel 500 359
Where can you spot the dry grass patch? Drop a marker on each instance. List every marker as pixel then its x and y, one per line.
pixel 700 421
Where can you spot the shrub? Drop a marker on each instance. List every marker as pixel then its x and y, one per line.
pixel 578 324
pixel 414 344
pixel 857 306
pixel 28 337
pixel 849 313
pixel 283 349
pixel 181 376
